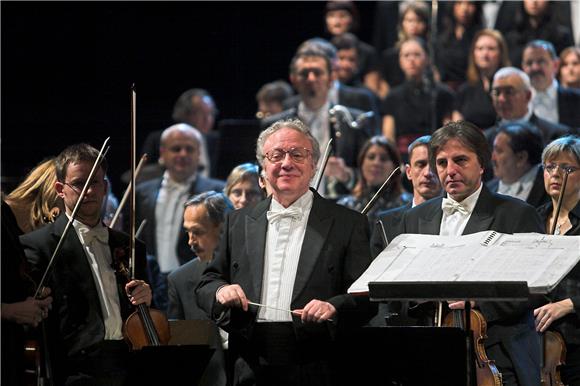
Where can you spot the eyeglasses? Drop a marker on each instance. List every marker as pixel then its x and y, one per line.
pixel 298 154
pixel 78 186
pixel 506 91
pixel 317 72
pixel 551 168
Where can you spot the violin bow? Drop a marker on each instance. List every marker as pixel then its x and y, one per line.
pixel 560 199
pixel 132 183
pixel 320 171
pixel 127 191
pixel 379 192
pixel 96 165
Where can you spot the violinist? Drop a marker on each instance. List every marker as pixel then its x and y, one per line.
pixel 458 152
pixel 19 309
pixel 563 312
pixel 91 299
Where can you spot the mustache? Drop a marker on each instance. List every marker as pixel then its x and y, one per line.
pixel 536 73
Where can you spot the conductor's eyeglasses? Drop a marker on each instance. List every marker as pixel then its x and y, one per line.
pixel 551 168
pixel 298 154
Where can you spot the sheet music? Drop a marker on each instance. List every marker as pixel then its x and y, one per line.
pixel 540 260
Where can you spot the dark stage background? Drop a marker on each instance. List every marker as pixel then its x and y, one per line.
pixel 67 68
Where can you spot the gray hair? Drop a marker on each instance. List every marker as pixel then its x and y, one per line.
pixel 183 128
pixel 185 105
pixel 216 204
pixel 509 71
pixel 569 144
pixel 294 124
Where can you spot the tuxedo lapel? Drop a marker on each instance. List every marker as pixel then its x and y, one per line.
pixel 482 215
pixel 317 228
pixel 430 222
pixel 256 226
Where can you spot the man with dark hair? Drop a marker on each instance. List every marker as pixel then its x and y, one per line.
pixel 160 202
pixel 347 65
pixel 459 151
pixel 271 97
pixel 551 101
pixel 311 75
pixel 516 160
pixel 196 108
pixel 91 298
pixel 203 218
pixel 283 269
pixel 425 187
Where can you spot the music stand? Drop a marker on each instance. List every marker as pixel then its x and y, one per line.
pixel 442 291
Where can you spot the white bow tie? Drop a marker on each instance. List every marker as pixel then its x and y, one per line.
pixel 449 206
pixel 277 215
pixel 99 233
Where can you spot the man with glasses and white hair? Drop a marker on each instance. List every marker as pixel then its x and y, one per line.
pixel 511 94
pixel 279 281
pixel 160 201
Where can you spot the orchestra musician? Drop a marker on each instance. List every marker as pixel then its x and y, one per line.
pixel 85 337
pixel 19 308
pixel 458 152
pixel 563 312
pixel 285 337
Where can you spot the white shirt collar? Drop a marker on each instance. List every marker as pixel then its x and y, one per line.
pixel 184 185
pixel 304 202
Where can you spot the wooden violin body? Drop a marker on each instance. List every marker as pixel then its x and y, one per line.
pixel 554 357
pixel 486 372
pixel 146 327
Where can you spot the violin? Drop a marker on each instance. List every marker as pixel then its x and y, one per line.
pixel 145 326
pixel 486 371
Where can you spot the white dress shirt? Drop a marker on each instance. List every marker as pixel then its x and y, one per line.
pixel 521 188
pixel 453 224
pixel 545 103
pixel 95 242
pixel 284 239
pixel 169 219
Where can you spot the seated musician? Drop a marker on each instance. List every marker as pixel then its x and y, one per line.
pixel 293 255
pixel 563 312
pixel 91 299
pixel 459 151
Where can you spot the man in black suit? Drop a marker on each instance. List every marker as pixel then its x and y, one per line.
pixel 160 202
pixel 551 102
pixel 365 104
pixel 516 160
pixel 91 298
pixel 203 218
pixel 459 152
pixel 279 282
pixel 311 75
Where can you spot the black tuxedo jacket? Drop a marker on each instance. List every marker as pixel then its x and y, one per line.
pixel 146 198
pixel 335 252
pixel 392 221
pixel 509 323
pixel 538 195
pixel 76 321
pixel 347 141
pixel 568 111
